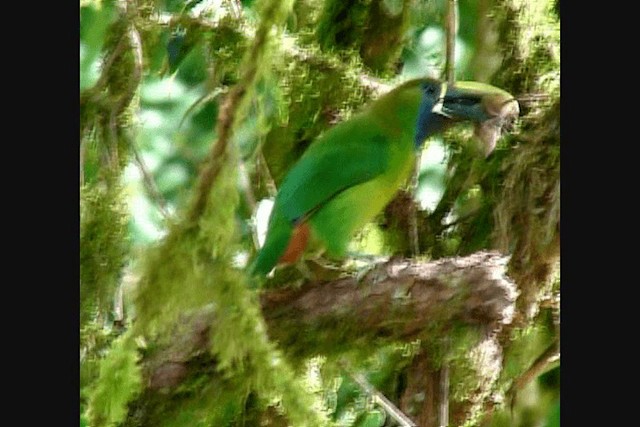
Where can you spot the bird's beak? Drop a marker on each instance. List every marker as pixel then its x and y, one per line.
pixel 492 110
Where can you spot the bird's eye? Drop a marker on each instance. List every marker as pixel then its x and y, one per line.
pixel 430 90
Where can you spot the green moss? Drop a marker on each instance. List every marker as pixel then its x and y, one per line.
pixel 120 380
pixel 305 16
pixel 530 41
pixel 202 399
pixel 384 38
pixel 527 344
pixel 342 23
pixel 374 28
pixel 317 91
pixel 103 247
pixel 191 267
pixel 226 46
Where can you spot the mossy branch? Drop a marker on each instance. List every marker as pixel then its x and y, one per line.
pixel 204 245
pixel 293 47
pixel 544 362
pixel 103 233
pixel 229 111
pixel 395 300
pixel 400 300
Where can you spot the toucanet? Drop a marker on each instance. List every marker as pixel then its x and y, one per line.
pixel 352 171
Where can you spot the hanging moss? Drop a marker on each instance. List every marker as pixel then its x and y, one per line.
pixel 198 401
pixel 191 267
pixel 103 248
pixel 120 381
pixel 200 273
pixel 527 210
pixel 106 115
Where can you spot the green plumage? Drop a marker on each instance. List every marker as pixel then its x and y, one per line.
pixel 348 175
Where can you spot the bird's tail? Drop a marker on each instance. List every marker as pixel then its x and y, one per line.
pixel 275 245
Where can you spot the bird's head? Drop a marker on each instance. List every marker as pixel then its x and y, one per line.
pixel 490 109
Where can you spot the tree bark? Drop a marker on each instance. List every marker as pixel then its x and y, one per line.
pixel 396 300
pixel 399 300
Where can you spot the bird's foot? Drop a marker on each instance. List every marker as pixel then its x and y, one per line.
pixel 362 264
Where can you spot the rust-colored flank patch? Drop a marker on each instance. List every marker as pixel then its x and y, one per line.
pixel 297 244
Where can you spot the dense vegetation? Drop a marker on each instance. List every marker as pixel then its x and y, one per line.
pixel 191 114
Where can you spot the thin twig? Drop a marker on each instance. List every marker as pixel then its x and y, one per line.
pixel 443 389
pixel 127 96
pixel 236 7
pixel 413 211
pixel 532 97
pixel 136 75
pixel 457 221
pixel 451 28
pixel 106 67
pixel 112 148
pixel 118 306
pixel 207 97
pixel 227 114
pixel 455 186
pixel 543 363
pixel 451 31
pixel 249 197
pixel 264 173
pixel 136 44
pixel 150 183
pixel 218 153
pixel 83 152
pixel 381 400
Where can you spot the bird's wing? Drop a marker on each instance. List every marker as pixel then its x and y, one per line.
pixel 347 155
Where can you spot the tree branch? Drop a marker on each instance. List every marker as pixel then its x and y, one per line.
pixel 542 364
pixel 450 71
pixel 381 400
pixel 228 112
pixel 289 44
pixel 149 182
pixel 397 300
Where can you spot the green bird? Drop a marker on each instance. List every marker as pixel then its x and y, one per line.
pixel 353 170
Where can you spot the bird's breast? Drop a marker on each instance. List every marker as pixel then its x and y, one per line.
pixel 336 223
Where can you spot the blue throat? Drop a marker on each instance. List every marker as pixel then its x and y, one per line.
pixel 427 124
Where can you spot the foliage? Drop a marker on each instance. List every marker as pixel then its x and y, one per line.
pixel 146 142
pixel 120 381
